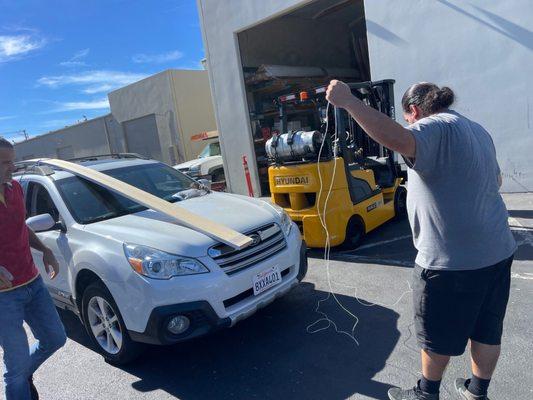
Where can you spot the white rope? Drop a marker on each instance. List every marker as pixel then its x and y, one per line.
pixel 327 248
pixel 312 328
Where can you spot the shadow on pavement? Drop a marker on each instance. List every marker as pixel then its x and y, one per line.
pixel 524 240
pixel 74 329
pixel 391 244
pixel 272 356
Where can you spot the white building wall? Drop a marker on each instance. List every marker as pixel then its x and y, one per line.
pixel 482 49
pixel 220 22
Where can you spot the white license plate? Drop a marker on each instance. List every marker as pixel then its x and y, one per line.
pixel 266 279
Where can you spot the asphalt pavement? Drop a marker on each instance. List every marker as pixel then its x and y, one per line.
pixel 311 344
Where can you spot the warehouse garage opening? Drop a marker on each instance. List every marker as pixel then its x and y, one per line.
pixel 294 53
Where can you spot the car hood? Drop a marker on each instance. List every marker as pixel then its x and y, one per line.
pixel 195 162
pixel 151 228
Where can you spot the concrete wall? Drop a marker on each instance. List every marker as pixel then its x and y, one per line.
pixel 85 139
pixel 194 106
pixel 220 22
pixel 483 49
pixel 182 105
pixel 178 100
pixel 142 136
pixel 116 134
pixel 152 95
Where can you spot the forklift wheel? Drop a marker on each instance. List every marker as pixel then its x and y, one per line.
pixel 355 231
pixel 400 202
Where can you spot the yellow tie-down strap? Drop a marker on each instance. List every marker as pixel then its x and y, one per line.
pixel 178 214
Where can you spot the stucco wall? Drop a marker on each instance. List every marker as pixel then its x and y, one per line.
pixel 81 140
pixel 152 95
pixel 194 108
pixel 220 22
pixel 116 135
pixel 181 102
pixel 483 49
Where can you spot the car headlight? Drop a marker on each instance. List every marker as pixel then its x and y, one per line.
pixel 158 264
pixel 285 220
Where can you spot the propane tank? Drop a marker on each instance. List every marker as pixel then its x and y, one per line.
pixel 293 146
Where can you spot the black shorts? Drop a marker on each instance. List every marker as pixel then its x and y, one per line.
pixel 453 306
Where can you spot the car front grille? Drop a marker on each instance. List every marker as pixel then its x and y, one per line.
pixel 268 241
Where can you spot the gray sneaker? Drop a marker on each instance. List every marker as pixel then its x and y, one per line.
pixel 411 394
pixel 461 387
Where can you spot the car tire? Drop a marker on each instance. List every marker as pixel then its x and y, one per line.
pixel 304 264
pixel 355 232
pixel 105 326
pixel 400 202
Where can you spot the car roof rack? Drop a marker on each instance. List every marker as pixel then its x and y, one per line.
pixel 107 156
pixel 32 167
pixel 35 166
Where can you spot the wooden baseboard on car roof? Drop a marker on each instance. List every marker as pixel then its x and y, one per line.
pixel 179 215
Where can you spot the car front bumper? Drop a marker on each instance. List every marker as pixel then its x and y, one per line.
pixel 203 318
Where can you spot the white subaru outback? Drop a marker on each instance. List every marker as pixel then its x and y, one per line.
pixel 135 277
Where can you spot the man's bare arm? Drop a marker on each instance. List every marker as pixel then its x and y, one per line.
pixel 35 242
pixel 377 125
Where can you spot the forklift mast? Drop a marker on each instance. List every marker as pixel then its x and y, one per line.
pixel 379 95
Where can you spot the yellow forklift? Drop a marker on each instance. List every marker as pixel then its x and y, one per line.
pixel 367 187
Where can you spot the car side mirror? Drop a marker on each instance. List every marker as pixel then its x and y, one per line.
pixel 205 182
pixel 44 223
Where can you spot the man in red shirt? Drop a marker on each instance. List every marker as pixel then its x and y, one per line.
pixel 23 296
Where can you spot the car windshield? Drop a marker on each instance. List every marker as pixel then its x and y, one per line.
pixel 212 149
pixel 89 202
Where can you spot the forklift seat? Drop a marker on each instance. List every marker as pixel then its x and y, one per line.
pixel 359 188
pixel 382 172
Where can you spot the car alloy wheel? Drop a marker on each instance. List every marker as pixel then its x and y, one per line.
pixel 105 325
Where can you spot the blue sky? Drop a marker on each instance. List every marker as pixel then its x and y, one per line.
pixel 60 58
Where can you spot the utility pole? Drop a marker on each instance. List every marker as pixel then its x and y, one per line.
pixel 19 132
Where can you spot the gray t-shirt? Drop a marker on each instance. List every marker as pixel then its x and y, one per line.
pixel 458 218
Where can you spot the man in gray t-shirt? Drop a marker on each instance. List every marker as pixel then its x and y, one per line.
pixel 462 275
pixel 457 216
